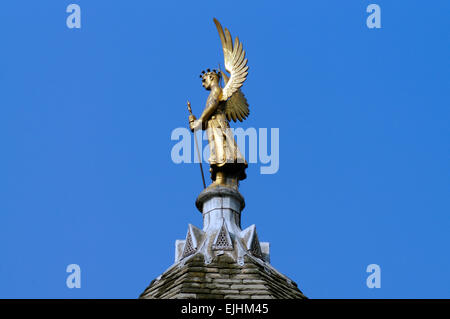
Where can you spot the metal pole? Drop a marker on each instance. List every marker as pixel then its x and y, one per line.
pixel 198 150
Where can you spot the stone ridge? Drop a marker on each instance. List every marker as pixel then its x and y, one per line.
pixel 223 278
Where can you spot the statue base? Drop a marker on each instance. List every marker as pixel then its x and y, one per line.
pixel 221 207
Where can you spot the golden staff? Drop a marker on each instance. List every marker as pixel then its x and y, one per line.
pixel 196 144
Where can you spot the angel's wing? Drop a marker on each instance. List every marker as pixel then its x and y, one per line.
pixel 235 61
pixel 236 107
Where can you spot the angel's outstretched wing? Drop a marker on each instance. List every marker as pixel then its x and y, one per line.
pixel 235 62
pixel 236 107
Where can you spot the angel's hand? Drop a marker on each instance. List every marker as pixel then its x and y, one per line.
pixel 191 118
pixel 195 124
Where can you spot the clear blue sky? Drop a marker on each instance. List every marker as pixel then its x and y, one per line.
pixel 86 115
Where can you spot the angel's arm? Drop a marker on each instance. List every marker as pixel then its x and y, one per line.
pixel 211 105
pixel 210 109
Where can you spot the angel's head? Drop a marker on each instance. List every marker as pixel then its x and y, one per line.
pixel 210 78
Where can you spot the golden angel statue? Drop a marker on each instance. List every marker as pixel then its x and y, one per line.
pixel 227 165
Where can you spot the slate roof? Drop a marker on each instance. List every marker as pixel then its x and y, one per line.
pixel 223 278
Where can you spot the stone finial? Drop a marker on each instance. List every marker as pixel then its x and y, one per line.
pixel 221 208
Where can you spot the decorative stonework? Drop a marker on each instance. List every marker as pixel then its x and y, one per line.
pixel 189 248
pixel 222 260
pixel 221 209
pixel 255 247
pixel 223 239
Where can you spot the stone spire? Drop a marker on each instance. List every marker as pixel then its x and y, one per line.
pixel 221 260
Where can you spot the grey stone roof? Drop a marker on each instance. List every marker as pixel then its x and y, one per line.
pixel 223 278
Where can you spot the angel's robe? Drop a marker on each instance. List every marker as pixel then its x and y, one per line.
pixel 224 152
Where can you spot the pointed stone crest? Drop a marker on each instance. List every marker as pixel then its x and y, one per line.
pixel 193 238
pixel 252 242
pixel 223 239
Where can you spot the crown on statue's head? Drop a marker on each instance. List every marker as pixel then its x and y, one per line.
pixel 208 72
